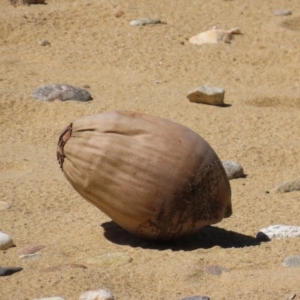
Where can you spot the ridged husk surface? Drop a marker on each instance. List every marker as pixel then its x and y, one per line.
pixel 155 178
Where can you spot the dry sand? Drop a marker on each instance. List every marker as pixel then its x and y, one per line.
pixel 150 69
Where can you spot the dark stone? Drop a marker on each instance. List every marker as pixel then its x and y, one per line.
pixel 6 271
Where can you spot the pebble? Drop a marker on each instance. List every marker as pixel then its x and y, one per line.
pixel 287 186
pixel 233 169
pixel 110 259
pixel 4 205
pixel 196 298
pixel 30 256
pixel 119 14
pixel 215 270
pixel 278 232
pixel 102 294
pixel 207 95
pixel 30 249
pixel 143 22
pixel 6 271
pixel 292 261
pixel 61 92
pixel 282 12
pixel 214 36
pixel 52 298
pixel 5 241
pixel 44 43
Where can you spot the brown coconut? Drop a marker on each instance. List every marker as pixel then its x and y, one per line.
pixel 155 178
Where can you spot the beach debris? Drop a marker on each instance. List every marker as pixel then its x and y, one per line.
pixel 233 169
pixel 278 232
pixel 63 92
pixel 102 294
pixel 6 271
pixel 52 298
pixel 30 256
pixel 110 259
pixel 282 12
pixel 292 261
pixel 207 95
pixel 44 42
pixel 196 298
pixel 30 249
pixel 4 205
pixel 26 2
pixel 287 186
pixel 5 241
pixel 144 21
pixel 214 36
pixel 119 14
pixel 215 270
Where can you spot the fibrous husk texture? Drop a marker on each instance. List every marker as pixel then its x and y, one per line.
pixel 155 178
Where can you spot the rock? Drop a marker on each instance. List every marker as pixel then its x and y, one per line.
pixel 101 294
pixel 282 12
pixel 6 271
pixel 30 249
pixel 292 261
pixel 290 296
pixel 26 2
pixel 287 186
pixel 61 92
pixel 62 267
pixel 214 36
pixel 196 298
pixel 233 169
pixel 52 298
pixel 142 22
pixel 278 232
pixel 119 14
pixel 110 259
pixel 44 43
pixel 5 241
pixel 4 205
pixel 30 256
pixel 215 270
pixel 207 95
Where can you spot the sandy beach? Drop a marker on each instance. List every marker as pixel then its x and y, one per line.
pixel 150 69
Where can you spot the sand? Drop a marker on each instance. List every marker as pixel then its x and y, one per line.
pixel 150 69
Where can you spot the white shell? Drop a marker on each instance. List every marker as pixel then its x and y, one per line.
pixel 101 294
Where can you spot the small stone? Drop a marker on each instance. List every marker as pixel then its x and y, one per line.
pixel 110 259
pixel 30 249
pixel 102 294
pixel 5 241
pixel 143 22
pixel 44 43
pixel 30 256
pixel 119 14
pixel 278 232
pixel 215 270
pixel 292 261
pixel 290 296
pixel 61 92
pixel 52 298
pixel 196 298
pixel 287 186
pixel 207 95
pixel 233 169
pixel 282 12
pixel 4 205
pixel 6 271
